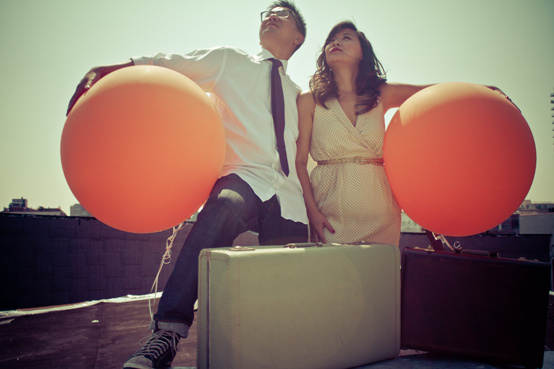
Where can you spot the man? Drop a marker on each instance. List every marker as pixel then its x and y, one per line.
pixel 258 188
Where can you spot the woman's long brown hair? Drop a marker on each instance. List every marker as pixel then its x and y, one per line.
pixel 370 74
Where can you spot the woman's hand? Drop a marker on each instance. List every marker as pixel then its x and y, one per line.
pixel 317 222
pixel 496 89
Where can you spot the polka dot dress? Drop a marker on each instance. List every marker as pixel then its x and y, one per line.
pixel 356 198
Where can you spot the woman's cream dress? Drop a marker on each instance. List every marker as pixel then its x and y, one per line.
pixel 355 197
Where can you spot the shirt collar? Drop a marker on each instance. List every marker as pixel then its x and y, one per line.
pixel 264 55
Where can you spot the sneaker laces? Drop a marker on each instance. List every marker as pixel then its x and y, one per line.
pixel 159 343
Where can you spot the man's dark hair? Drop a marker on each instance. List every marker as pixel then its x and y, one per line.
pixel 301 23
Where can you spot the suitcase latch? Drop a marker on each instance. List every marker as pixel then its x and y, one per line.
pixel 457 245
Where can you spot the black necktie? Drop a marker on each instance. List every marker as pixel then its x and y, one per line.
pixel 278 112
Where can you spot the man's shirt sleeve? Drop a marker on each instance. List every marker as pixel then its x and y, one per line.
pixel 203 66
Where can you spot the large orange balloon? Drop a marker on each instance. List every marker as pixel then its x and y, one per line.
pixel 142 149
pixel 460 158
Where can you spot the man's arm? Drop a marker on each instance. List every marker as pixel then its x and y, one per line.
pixel 93 76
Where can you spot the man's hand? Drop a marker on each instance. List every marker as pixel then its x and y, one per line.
pixel 86 83
pixel 93 76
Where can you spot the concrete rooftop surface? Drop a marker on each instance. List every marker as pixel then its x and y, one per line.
pixel 61 261
pixel 103 334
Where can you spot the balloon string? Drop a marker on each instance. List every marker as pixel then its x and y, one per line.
pixel 166 259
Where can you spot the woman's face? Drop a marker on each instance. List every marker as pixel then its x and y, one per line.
pixel 344 48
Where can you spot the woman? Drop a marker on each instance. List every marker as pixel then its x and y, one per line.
pixel 341 123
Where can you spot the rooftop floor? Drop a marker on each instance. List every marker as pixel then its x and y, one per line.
pixel 104 334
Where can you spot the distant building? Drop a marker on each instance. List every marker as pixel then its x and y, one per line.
pixel 552 102
pixel 509 226
pixel 19 206
pixel 512 224
pixel 78 210
pixel 529 207
pixel 538 223
pixel 409 225
pixel 530 218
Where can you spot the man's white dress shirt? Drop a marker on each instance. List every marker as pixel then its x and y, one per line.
pixel 240 87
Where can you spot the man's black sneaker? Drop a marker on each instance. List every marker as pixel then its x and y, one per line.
pixel 158 351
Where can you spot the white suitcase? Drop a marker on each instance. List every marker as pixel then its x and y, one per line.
pixel 330 306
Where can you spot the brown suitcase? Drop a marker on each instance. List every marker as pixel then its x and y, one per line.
pixel 477 306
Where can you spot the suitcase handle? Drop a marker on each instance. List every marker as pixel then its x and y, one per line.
pixel 457 248
pixel 302 245
pixel 477 252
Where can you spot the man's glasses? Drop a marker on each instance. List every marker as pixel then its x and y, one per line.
pixel 281 13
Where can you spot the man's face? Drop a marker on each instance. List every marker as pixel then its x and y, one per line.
pixel 279 25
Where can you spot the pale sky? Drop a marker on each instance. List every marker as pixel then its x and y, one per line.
pixel 47 46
